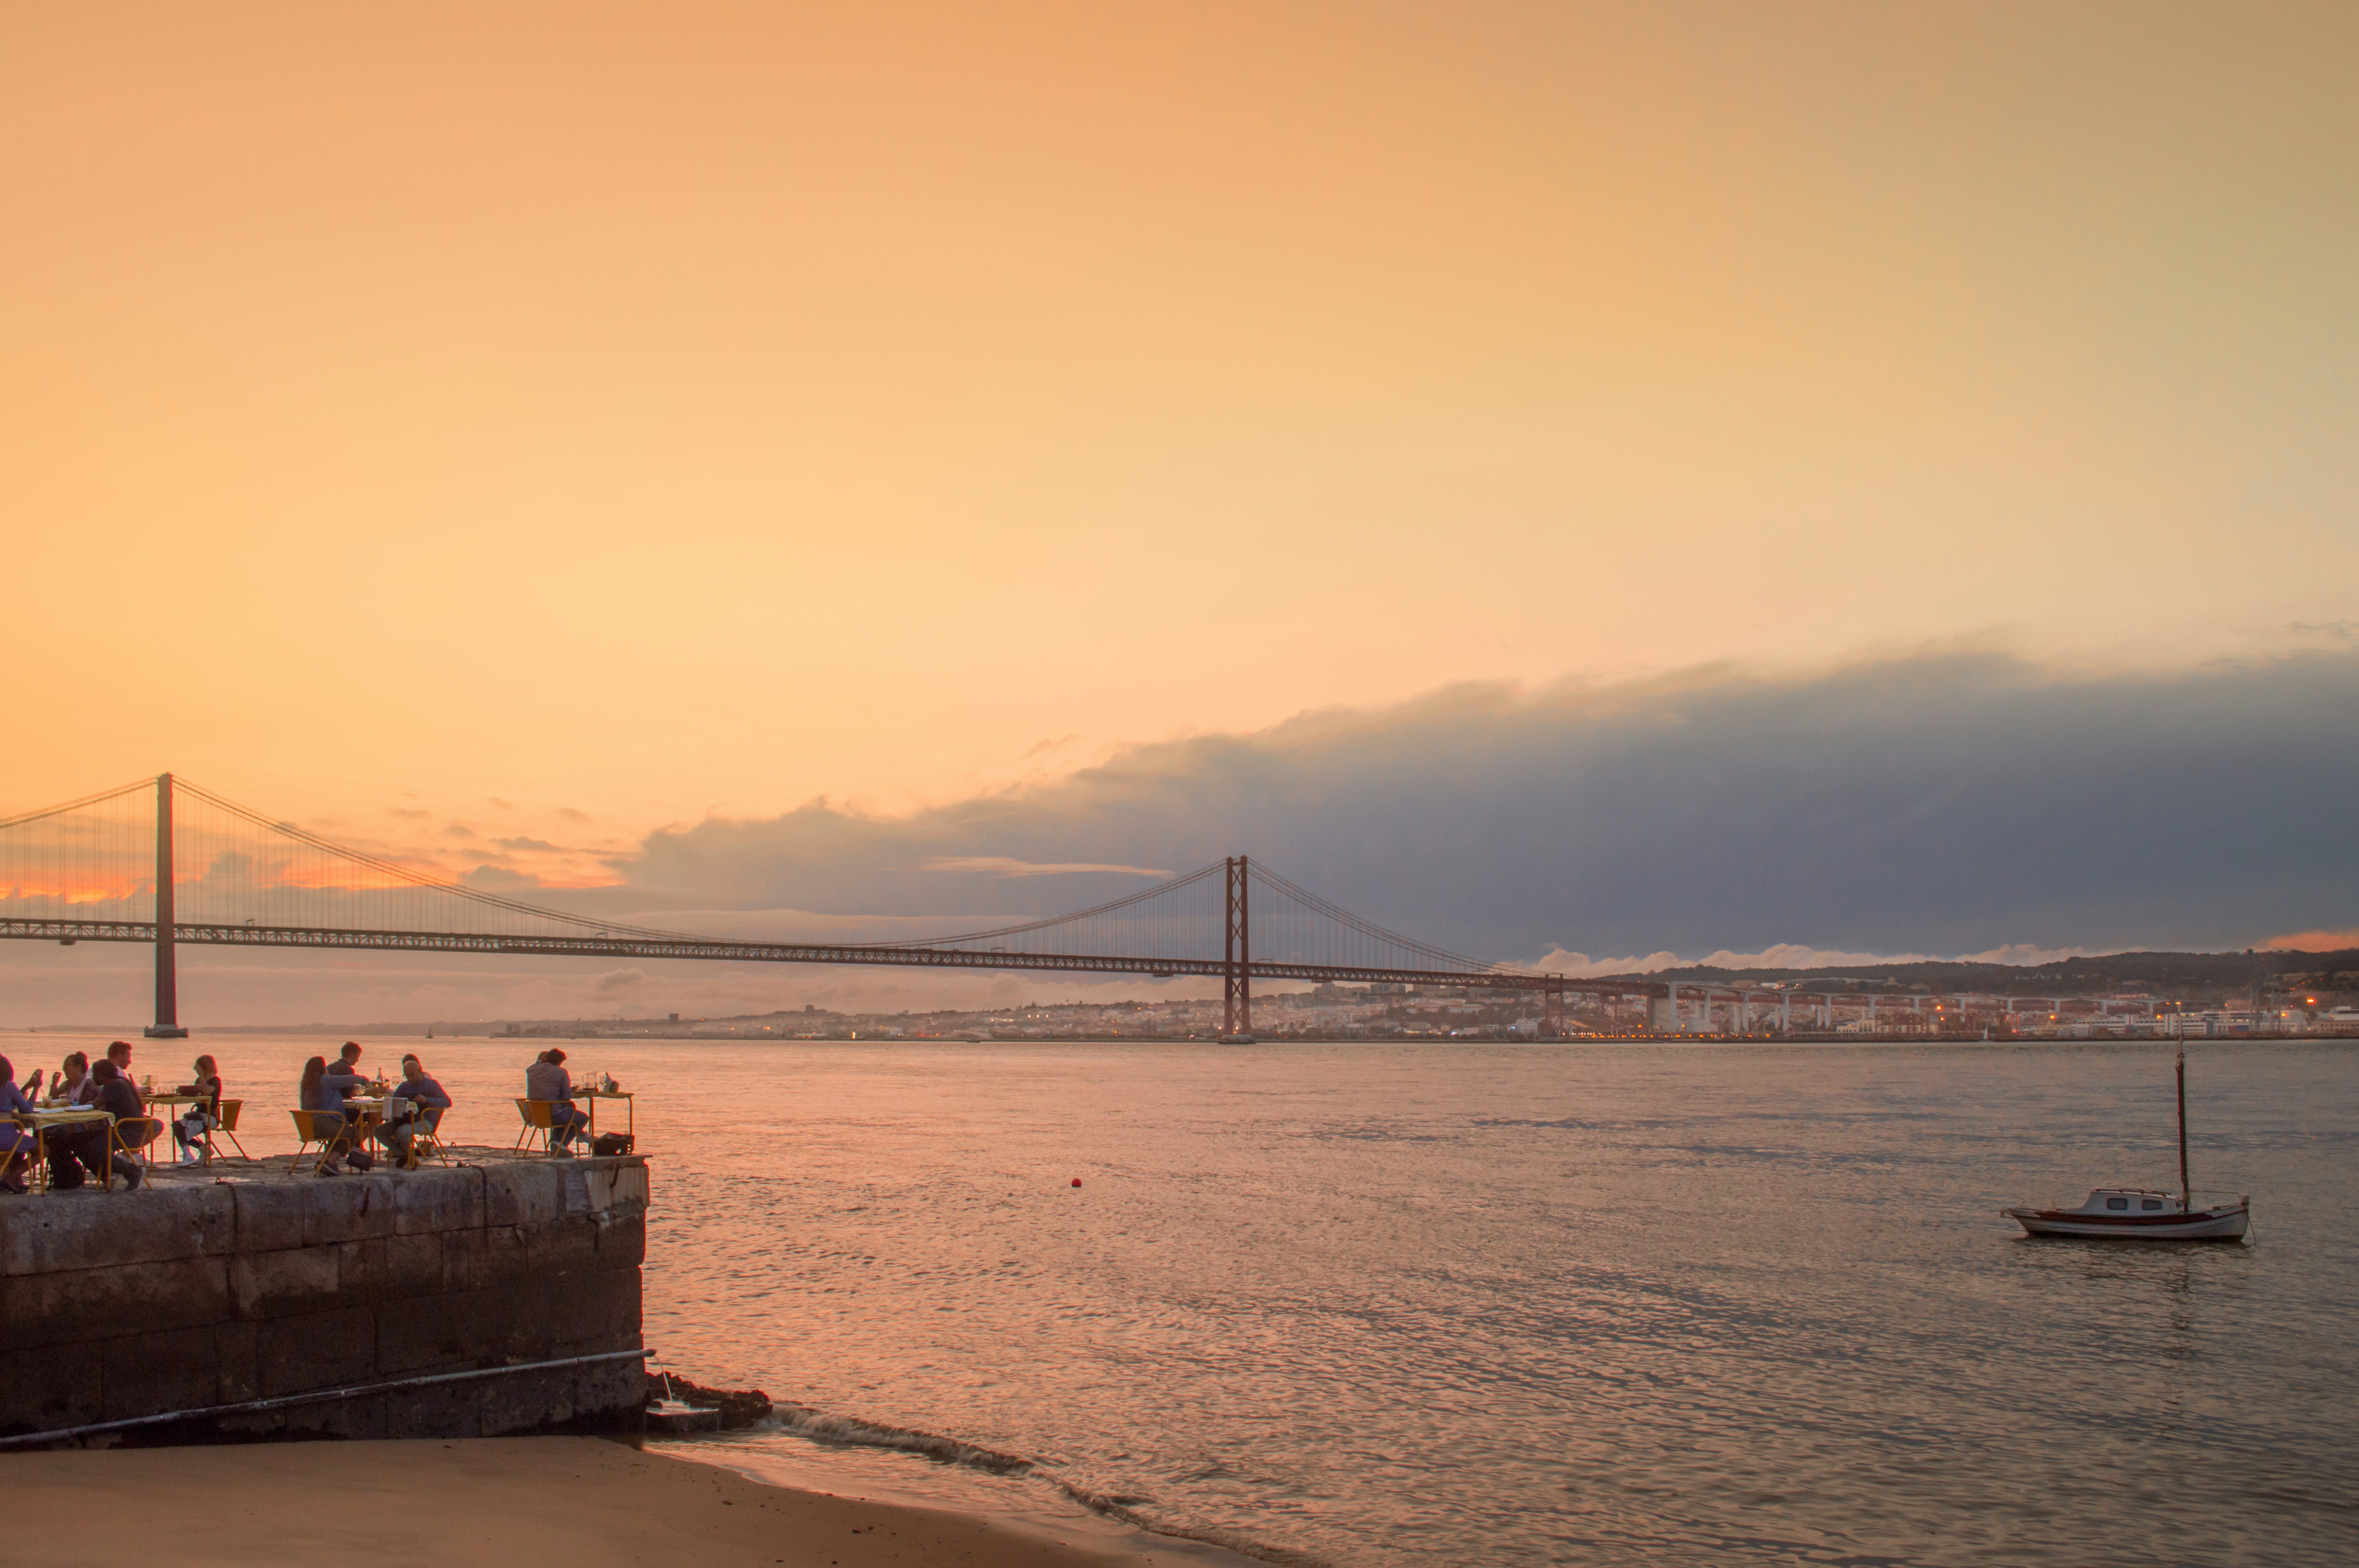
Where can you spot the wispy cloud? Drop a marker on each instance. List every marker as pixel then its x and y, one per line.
pixel 1792 955
pixel 2316 941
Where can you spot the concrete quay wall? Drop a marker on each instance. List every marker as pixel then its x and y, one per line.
pixel 183 1296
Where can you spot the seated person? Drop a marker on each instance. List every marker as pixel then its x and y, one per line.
pixel 189 1131
pixel 547 1079
pixel 416 1101
pixel 322 1093
pixel 17 1143
pixel 348 1061
pixel 76 1150
pixel 71 1083
pixel 119 1053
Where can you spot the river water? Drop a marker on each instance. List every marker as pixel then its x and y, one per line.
pixel 1390 1305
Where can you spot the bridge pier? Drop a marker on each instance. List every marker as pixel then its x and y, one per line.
pixel 1236 956
pixel 168 975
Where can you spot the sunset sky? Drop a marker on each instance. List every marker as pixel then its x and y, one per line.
pixel 446 423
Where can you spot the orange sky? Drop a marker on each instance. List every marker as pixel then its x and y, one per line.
pixel 650 410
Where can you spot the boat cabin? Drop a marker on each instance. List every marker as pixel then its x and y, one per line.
pixel 2132 1200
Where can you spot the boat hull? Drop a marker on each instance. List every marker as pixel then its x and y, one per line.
pixel 2227 1223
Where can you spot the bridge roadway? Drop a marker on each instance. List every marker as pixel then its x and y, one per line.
pixel 242 936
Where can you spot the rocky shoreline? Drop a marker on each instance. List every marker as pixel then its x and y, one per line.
pixel 739 1407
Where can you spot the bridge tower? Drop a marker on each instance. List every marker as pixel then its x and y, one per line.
pixel 1237 954
pixel 1552 1011
pixel 168 979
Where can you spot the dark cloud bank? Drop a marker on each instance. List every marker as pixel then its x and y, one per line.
pixel 1942 805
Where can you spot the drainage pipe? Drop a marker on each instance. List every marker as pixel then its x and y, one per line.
pixel 325 1396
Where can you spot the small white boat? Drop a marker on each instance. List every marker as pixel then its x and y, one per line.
pixel 2135 1214
pixel 2141 1213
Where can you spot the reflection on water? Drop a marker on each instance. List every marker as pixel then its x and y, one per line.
pixel 1384 1306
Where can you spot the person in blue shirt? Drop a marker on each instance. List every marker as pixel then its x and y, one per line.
pixel 416 1101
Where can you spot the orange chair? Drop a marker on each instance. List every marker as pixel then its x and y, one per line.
pixel 540 1117
pixel 226 1122
pixel 128 1135
pixel 307 1129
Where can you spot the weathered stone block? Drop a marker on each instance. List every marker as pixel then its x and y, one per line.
pixel 93 1229
pixel 46 1390
pixel 270 1218
pixel 146 1374
pixel 431 1334
pixel 235 1361
pixel 525 1192
pixel 440 1409
pixel 602 1185
pixel 350 1208
pixel 483 1259
pixel 413 1265
pixel 562 1246
pixel 589 1313
pixel 319 1351
pixel 624 1244
pixel 437 1200
pixel 291 1282
pixel 523 1402
pixel 77 1306
pixel 610 1390
pixel 359 1272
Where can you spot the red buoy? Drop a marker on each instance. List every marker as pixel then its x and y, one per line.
pixel 1077 1180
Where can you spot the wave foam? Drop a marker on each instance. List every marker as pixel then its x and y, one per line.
pixel 820 1426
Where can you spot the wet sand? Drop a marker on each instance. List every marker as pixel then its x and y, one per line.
pixel 587 1502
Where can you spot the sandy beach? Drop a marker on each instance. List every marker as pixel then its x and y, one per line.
pixel 590 1502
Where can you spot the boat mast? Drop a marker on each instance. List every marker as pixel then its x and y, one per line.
pixel 2185 1194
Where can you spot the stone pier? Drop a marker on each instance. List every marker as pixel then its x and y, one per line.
pixel 242 1284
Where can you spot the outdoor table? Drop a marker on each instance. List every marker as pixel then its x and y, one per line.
pixel 630 1111
pixel 169 1115
pixel 41 1121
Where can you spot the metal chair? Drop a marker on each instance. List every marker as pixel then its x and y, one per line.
pixel 307 1129
pixel 540 1117
pixel 426 1134
pixel 226 1124
pixel 128 1136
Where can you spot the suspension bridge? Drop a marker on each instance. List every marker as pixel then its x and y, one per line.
pixel 165 863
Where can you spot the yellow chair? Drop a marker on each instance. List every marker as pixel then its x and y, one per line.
pixel 307 1129
pixel 540 1117
pixel 226 1122
pixel 128 1135
pixel 426 1136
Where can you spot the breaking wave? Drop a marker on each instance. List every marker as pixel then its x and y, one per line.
pixel 820 1426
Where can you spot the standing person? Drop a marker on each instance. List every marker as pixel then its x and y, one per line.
pixel 418 1100
pixel 322 1095
pixel 17 1143
pixel 189 1131
pixel 547 1079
